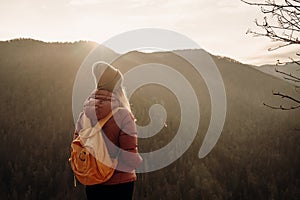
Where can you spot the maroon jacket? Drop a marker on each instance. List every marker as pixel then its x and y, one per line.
pixel 119 129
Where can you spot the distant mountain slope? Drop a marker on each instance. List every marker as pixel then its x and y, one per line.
pixel 289 68
pixel 256 156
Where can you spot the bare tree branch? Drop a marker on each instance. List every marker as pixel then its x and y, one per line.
pixel 269 4
pixel 296 61
pixel 281 107
pixel 288 21
pixel 290 77
pixel 284 96
pixel 281 23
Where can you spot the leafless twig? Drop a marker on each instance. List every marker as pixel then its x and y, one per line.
pixel 281 107
pixel 285 30
pixel 290 76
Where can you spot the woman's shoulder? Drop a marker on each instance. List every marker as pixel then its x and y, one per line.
pixel 123 116
pixel 124 113
pixel 125 120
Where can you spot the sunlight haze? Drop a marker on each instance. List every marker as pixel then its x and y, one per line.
pixel 218 26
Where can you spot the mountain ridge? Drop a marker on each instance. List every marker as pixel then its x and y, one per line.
pixel 267 69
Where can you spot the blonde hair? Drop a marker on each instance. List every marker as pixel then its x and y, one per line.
pixel 121 96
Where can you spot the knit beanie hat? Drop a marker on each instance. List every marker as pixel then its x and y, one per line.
pixel 106 76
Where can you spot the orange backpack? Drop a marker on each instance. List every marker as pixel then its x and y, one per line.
pixel 90 160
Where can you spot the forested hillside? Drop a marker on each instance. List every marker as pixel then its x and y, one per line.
pixel 256 156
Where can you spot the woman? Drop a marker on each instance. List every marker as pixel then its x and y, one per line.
pixel 119 129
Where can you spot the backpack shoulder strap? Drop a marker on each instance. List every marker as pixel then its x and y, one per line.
pixel 86 122
pixel 103 121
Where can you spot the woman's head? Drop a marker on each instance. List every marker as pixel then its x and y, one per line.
pixel 107 77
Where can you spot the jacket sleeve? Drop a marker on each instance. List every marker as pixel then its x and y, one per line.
pixel 78 126
pixel 128 141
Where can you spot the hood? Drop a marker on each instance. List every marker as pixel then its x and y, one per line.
pixel 99 104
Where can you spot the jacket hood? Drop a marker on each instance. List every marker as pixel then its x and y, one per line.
pixel 99 104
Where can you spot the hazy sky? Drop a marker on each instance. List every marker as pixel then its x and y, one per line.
pixel 219 26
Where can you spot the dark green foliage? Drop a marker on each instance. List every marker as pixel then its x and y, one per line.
pixel 36 118
pixel 255 158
